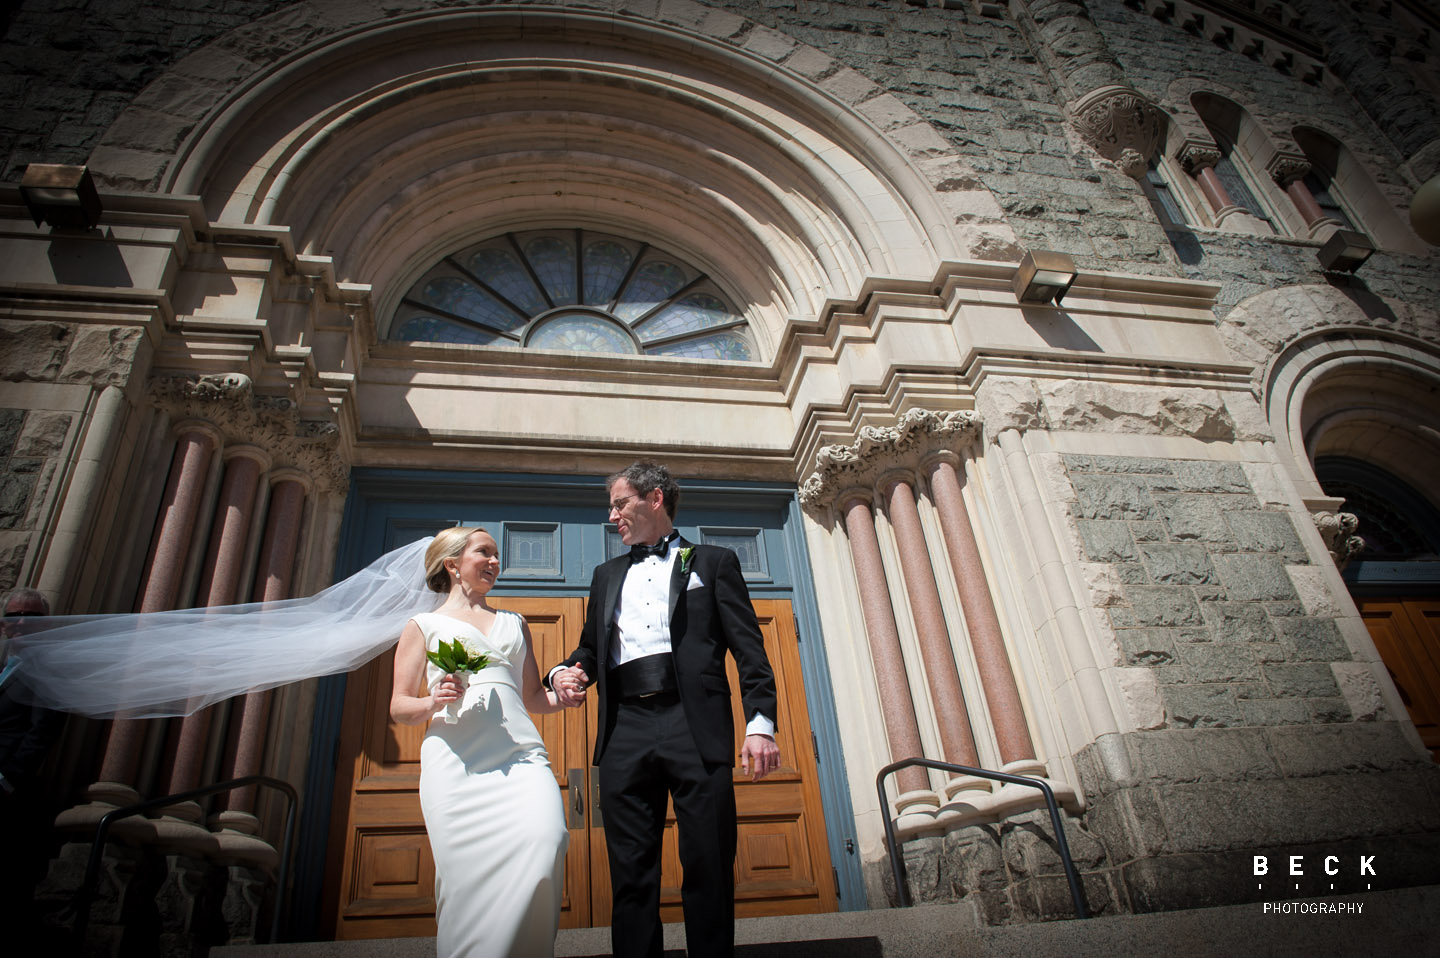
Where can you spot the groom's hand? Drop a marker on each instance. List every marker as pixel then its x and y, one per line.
pixel 569 685
pixel 759 756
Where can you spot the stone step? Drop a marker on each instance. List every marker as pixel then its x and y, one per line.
pixel 1399 922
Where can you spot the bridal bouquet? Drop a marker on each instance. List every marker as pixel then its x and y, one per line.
pixel 454 658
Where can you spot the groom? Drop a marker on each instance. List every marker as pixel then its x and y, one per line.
pixel 657 628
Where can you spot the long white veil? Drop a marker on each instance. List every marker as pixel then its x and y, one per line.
pixel 174 663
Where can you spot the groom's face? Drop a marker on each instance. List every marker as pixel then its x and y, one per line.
pixel 639 519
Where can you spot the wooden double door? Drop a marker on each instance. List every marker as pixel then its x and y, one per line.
pixel 380 877
pixel 1407 636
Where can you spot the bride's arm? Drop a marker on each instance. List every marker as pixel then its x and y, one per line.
pixel 537 699
pixel 406 707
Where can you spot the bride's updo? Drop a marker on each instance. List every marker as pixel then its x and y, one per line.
pixel 448 544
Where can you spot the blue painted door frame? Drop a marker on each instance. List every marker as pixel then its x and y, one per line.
pixel 557 527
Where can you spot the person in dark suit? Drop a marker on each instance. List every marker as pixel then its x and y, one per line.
pixel 27 733
pixel 659 624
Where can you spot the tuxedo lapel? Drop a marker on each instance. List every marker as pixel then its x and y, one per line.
pixel 613 582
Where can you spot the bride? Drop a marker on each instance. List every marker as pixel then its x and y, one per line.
pixel 491 806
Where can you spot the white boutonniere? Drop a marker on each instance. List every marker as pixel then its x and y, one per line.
pixel 455 658
pixel 686 554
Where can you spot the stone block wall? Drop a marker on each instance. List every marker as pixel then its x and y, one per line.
pixel 1206 601
pixel 47 373
pixel 68 68
pixel 1272 740
pixel 29 444
pixel 978 81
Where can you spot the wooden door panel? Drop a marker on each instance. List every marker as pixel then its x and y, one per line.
pixel 387 755
pixel 393 866
pixel 1422 651
pixel 1407 636
pixel 773 861
pixel 385 884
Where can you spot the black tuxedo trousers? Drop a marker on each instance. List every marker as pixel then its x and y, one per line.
pixel 652 758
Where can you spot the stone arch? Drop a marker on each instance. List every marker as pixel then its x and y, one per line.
pixel 1344 377
pixel 381 143
pixel 1180 102
pixel 1331 157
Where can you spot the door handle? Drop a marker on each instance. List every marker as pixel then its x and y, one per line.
pixel 575 798
pixel 596 818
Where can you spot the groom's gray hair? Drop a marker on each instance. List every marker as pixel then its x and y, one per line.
pixel 647 476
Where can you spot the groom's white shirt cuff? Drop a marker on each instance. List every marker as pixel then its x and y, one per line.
pixel 760 725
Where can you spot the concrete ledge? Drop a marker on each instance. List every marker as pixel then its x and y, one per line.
pixel 1404 921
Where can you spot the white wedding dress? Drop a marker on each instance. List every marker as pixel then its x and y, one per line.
pixel 491 805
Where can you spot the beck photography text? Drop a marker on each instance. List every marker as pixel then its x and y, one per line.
pixel 1316 875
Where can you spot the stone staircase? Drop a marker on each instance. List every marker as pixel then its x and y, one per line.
pixel 1398 923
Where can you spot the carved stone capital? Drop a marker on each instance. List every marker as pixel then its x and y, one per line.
pixel 224 389
pixel 270 423
pixel 877 450
pixel 1197 155
pixel 1121 125
pixel 1286 168
pixel 1337 530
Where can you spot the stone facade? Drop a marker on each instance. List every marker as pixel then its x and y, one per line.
pixel 1083 541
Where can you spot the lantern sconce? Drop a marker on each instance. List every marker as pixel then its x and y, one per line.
pixel 63 196
pixel 1044 276
pixel 1345 251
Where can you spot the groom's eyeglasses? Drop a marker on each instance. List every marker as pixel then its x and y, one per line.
pixel 619 504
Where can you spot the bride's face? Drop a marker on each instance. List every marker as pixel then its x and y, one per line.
pixel 478 564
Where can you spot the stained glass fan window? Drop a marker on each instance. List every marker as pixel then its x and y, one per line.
pixel 573 290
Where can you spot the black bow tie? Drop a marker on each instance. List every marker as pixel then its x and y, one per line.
pixel 639 553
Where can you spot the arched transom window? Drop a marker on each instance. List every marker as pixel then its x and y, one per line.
pixel 576 290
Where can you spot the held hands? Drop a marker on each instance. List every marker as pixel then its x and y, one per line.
pixel 569 686
pixel 759 756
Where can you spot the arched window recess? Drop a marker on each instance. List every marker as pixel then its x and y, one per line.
pixel 574 290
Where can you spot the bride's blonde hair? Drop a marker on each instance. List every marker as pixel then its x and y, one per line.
pixel 448 544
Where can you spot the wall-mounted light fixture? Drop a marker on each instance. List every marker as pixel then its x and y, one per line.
pixel 1044 276
pixel 1346 250
pixel 63 196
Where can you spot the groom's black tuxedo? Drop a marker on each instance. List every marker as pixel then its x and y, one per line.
pixel 706 620
pixel 676 745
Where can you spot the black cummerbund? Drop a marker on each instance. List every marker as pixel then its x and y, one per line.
pixel 644 676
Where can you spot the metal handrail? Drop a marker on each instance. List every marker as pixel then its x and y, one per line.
pixel 897 861
pixel 97 846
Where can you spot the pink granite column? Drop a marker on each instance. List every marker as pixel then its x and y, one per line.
pixel 163 572
pixel 956 737
pixel 1215 193
pixel 896 706
pixel 1304 201
pixel 224 566
pixel 272 582
pixel 988 645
